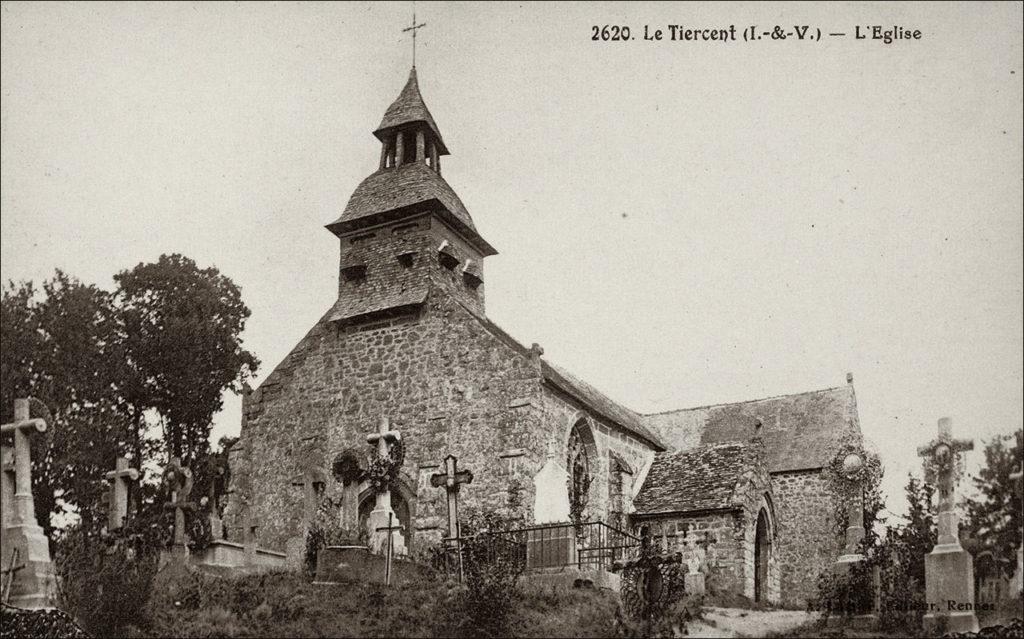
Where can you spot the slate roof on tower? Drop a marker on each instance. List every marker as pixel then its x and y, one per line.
pixel 410 108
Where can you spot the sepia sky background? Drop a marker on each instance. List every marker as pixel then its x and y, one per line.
pixel 679 223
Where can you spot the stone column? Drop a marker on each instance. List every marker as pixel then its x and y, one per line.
pixel 399 148
pixel 421 144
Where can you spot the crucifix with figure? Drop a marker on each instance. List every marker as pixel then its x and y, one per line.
pixel 178 487
pixel 381 516
pixel 948 568
pixel 414 28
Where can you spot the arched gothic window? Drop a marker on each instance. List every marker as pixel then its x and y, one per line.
pixel 578 464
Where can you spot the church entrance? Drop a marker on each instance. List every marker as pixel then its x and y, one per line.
pixel 762 552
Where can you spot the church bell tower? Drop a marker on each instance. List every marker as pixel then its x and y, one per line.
pixel 404 233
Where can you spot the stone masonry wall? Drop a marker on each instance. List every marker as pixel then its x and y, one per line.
pixel 807 541
pixel 726 538
pixel 446 382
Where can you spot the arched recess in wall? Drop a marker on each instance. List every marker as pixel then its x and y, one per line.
pixel 581 463
pixel 620 485
pixel 403 502
pixel 764 549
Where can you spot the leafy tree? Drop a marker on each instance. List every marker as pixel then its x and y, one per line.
pixel 167 342
pixel 62 350
pixel 182 334
pixel 994 519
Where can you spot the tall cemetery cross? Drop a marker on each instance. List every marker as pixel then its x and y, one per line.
pixel 383 439
pixel 948 568
pixel 22 427
pixel 119 477
pixel 178 482
pixel 945 450
pixel 451 479
pixel 30 586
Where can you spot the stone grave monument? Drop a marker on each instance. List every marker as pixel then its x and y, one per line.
pixel 24 543
pixel 948 568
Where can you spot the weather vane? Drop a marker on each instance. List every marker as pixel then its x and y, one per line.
pixel 413 28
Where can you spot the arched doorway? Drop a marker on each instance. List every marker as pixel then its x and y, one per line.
pixel 762 553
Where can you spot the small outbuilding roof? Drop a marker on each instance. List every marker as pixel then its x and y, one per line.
pixel 703 478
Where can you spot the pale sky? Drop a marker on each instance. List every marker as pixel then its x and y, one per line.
pixel 679 223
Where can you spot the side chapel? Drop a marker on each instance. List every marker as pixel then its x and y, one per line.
pixel 408 341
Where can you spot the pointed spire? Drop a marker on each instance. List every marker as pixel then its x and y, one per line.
pixel 409 109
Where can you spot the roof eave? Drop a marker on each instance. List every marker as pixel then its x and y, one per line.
pixel 342 226
pixel 382 133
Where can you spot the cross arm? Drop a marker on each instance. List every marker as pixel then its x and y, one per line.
pixel 26 424
pixel 131 473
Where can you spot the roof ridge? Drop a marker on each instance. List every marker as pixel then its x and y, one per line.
pixel 746 401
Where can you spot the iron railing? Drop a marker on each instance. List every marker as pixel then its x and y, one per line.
pixel 590 545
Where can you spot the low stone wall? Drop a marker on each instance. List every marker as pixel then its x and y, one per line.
pixel 726 565
pixel 228 557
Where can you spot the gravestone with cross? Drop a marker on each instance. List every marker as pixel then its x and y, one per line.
pixel 451 479
pixel 117 512
pixel 382 512
pixel 178 488
pixel 32 586
pixel 948 568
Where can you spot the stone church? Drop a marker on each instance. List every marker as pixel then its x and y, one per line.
pixel 408 340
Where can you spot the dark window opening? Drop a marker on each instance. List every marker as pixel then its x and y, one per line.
pixel 406 259
pixel 447 260
pixel 354 272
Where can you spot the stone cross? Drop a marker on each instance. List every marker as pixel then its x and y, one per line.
pixel 944 451
pixel 22 427
pixel 178 483
pixel 31 586
pixel 383 439
pixel 451 479
pixel 117 513
pixel 948 568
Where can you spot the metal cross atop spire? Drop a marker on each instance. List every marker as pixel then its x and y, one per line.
pixel 414 28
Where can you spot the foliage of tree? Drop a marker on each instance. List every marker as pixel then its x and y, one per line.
pixel 165 343
pixel 993 521
pixel 182 335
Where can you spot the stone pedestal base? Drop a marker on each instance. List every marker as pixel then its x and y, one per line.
pixel 34 586
pixel 694 583
pixel 379 540
pixel 949 590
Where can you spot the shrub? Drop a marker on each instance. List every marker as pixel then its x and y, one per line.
pixel 105 581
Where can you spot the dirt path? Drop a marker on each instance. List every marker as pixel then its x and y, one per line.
pixel 737 622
